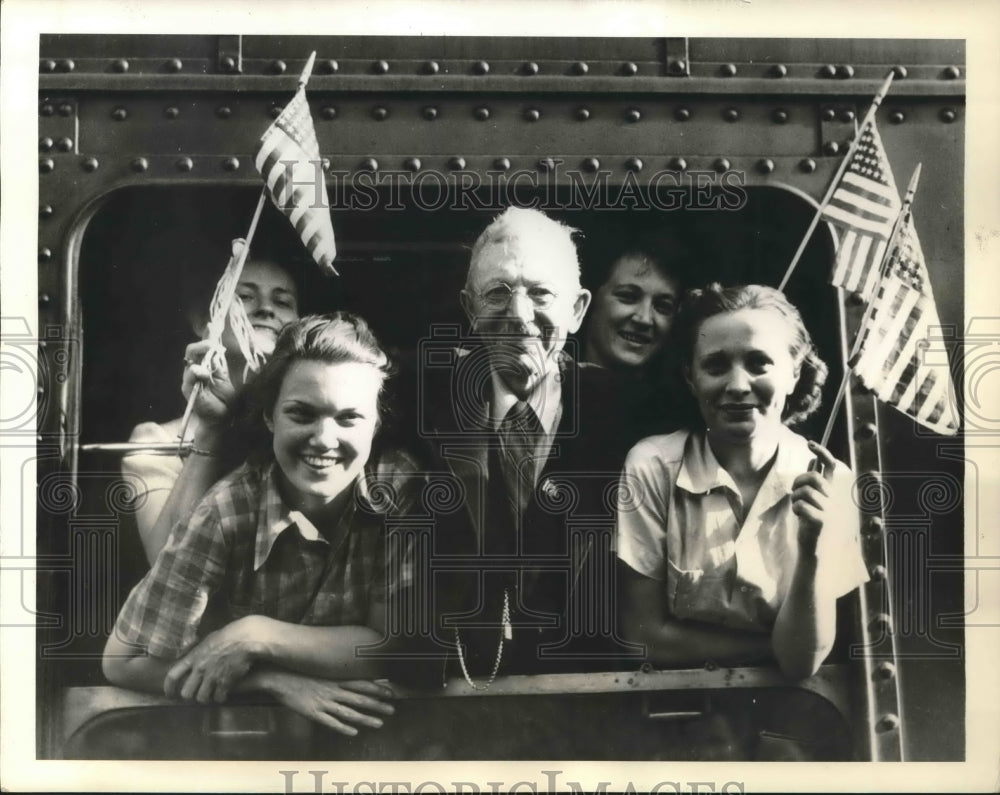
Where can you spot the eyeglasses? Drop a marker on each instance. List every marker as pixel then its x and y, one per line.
pixel 499 296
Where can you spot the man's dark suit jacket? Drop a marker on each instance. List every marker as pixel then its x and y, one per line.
pixel 557 564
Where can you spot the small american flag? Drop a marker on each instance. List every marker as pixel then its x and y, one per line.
pixel 288 159
pixel 895 358
pixel 863 208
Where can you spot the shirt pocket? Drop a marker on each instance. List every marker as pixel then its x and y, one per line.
pixel 284 596
pixel 697 594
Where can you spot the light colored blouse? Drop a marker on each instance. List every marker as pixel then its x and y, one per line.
pixel 677 524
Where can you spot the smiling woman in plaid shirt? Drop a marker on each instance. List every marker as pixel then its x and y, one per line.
pixel 279 574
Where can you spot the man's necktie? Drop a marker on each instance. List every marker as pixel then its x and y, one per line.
pixel 520 432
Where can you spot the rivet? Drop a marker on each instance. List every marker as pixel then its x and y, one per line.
pixel 866 431
pixel 878 572
pixel 900 72
pixel 184 164
pixel 279 67
pixel 40 389
pixel 875 524
pixel 45 165
pixel 728 70
pixel 64 144
pixel 897 117
pixel 828 114
pixel 831 148
pixel 765 165
pixel 328 112
pixel 140 164
pixel 580 68
pixel 325 162
pixel 887 723
pixel 532 114
pixel 678 66
pixel 845 71
pixel 119 114
pixel 682 114
pixel 120 65
pixel 67 65
pixel 779 70
pixel 828 71
pixel 45 211
pixel 90 164
pixel 39 437
pixel 412 164
pixel 172 112
pixel 530 68
pixel 44 144
pixel 721 164
pixel 948 115
pixel 175 65
pixel 629 69
pixel 847 115
pixel 634 164
pixel 65 109
pixel 228 64
pixel 502 164
pixel 883 622
pixel 380 67
pixel 380 114
pixel 44 254
pixel 807 165
pixel 952 73
pixel 223 111
pixel 633 115
pixel 456 163
pixel 481 113
pixel 231 164
pixel 430 113
pixel 274 111
pixel 369 164
pixel 546 164
pixel 47 65
pixel 481 67
pixel 591 164
pixel 678 163
pixel 46 110
pixel 779 116
pixel 43 299
pixel 582 114
pixel 432 67
pixel 331 66
pixel 731 114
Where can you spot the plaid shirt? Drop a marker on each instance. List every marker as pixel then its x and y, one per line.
pixel 243 551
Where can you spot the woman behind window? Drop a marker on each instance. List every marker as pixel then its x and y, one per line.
pixel 736 547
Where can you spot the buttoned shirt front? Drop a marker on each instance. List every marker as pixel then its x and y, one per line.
pixel 245 551
pixel 678 522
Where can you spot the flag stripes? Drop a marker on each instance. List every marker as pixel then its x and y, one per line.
pixel 891 358
pixel 289 161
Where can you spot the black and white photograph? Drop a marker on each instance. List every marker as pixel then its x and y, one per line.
pixel 572 396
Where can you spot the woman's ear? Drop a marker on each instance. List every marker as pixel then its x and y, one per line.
pixel 268 421
pixel 687 378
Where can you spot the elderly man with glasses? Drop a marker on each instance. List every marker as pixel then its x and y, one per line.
pixel 520 577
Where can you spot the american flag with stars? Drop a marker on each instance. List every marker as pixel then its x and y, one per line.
pixel 288 159
pixel 896 356
pixel 863 208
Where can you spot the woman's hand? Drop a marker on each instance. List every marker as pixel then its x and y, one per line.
pixel 208 672
pixel 338 705
pixel 217 389
pixel 811 497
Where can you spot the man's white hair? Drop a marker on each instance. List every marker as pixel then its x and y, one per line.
pixel 528 232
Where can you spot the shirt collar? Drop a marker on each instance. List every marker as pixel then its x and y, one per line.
pixel 544 400
pixel 275 516
pixel 701 472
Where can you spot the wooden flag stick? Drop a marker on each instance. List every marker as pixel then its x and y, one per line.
pixel 227 299
pixel 307 71
pixel 836 177
pixel 897 228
